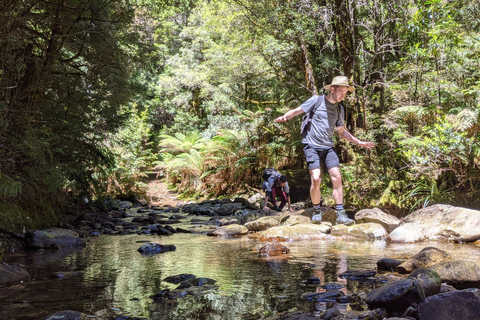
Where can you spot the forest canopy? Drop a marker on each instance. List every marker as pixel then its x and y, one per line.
pixel 95 93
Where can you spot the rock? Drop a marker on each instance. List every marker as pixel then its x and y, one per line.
pixel 388 264
pixel 202 281
pixel 12 273
pixel 460 304
pixel 426 257
pixel 376 215
pixel 357 274
pixel 307 231
pixel 67 315
pixel 262 224
pixel 180 278
pixel 54 238
pixel 459 274
pixel 372 231
pixel 328 214
pixel 332 286
pixel 331 313
pixel 444 221
pixel 293 219
pixel 328 296
pixel 429 280
pixel 273 249
pixel 409 232
pixel 154 248
pixel 226 222
pixel 230 230
pixel 396 297
pixel 228 209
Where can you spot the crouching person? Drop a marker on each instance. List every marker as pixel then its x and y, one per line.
pixel 276 185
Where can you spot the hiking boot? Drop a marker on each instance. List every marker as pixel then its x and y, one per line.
pixel 317 216
pixel 342 218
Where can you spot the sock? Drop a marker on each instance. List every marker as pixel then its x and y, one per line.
pixel 316 206
pixel 339 207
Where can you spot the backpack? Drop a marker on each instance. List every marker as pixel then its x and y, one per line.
pixel 307 118
pixel 267 173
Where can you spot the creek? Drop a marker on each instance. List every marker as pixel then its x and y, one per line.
pixel 109 277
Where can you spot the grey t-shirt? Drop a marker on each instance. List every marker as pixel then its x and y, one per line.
pixel 326 118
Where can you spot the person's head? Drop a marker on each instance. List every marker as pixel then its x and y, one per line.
pixel 339 88
pixel 282 180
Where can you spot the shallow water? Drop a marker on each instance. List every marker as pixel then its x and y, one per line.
pixel 114 279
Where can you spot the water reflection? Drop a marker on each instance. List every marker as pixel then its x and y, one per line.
pixel 116 279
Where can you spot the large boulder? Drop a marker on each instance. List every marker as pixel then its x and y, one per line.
pixel 376 215
pixel 426 257
pixel 396 297
pixel 12 273
pixel 307 231
pixel 460 274
pixel 409 232
pixel 230 230
pixel 67 315
pixel 460 304
pixel 294 219
pixel 54 238
pixel 442 221
pixel 429 279
pixel 372 231
pixel 262 223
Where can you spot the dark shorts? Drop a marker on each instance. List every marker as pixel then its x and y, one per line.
pixel 316 156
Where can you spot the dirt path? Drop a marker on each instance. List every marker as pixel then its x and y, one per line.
pixel 158 193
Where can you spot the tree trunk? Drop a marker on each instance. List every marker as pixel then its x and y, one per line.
pixel 307 68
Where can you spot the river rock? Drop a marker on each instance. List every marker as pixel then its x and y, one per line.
pixel 372 231
pixel 293 219
pixel 229 209
pixel 67 315
pixel 53 238
pixel 426 257
pixel 429 279
pixel 460 274
pixel 396 297
pixel 307 231
pixel 230 230
pixel 180 278
pixel 409 232
pixel 154 248
pixel 460 304
pixel 12 273
pixel 262 223
pixel 273 249
pixel 441 221
pixel 388 264
pixel 328 214
pixel 376 215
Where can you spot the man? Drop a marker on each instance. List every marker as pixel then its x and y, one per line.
pixel 276 185
pixel 318 143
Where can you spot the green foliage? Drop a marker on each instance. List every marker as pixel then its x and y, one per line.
pixel 63 80
pixel 424 193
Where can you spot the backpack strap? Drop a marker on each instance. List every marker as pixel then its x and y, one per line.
pixel 319 102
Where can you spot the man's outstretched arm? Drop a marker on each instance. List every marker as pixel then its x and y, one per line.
pixel 289 115
pixel 342 132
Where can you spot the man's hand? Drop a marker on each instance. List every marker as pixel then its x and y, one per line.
pixel 368 145
pixel 290 209
pixel 281 119
pixel 266 208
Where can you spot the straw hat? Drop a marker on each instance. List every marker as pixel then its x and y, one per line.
pixel 340 81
